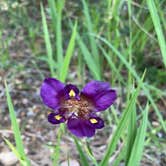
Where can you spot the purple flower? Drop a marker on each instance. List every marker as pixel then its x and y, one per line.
pixel 78 109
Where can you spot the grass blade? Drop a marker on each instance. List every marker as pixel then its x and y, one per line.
pixel 59 43
pixel 158 28
pixel 56 153
pixel 88 58
pixel 121 126
pixel 84 161
pixel 132 130
pixel 134 73
pixel 53 11
pixel 15 151
pixel 111 64
pixel 138 146
pixel 90 30
pixel 69 52
pixel 47 42
pixel 90 154
pixel 15 126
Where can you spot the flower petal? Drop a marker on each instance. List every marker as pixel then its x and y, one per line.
pixel 80 127
pixel 100 93
pixel 71 91
pixel 96 122
pixel 94 87
pixel 105 100
pixel 55 118
pixel 50 91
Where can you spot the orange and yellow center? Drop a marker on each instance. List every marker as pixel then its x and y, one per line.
pixel 80 107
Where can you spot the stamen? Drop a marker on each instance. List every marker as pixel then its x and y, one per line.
pixel 57 117
pixel 93 120
pixel 72 93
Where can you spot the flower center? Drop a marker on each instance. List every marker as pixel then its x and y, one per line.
pixel 80 108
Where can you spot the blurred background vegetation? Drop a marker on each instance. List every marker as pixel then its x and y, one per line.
pixel 77 41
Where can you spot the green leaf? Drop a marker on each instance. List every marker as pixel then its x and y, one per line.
pixel 158 28
pixel 56 153
pixel 47 42
pixel 88 58
pixel 15 151
pixel 53 13
pixel 15 127
pixel 68 55
pixel 138 79
pixel 138 145
pixel 84 161
pixel 59 44
pixel 121 126
pixel 89 25
pixel 132 130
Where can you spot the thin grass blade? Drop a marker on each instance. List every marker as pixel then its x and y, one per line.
pixel 53 11
pixel 89 24
pixel 47 42
pixel 113 68
pixel 15 126
pixel 138 79
pixel 132 130
pixel 68 55
pixel 158 28
pixel 59 44
pixel 56 153
pixel 121 126
pixel 138 146
pixel 15 151
pixel 84 161
pixel 88 58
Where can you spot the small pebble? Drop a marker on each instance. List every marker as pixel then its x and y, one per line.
pixel 8 158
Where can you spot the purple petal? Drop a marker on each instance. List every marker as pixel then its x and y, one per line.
pixel 56 118
pixel 71 91
pixel 80 127
pixel 94 87
pixel 50 91
pixel 100 94
pixel 96 122
pixel 105 100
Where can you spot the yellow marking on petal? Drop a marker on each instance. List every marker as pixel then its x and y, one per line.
pixel 49 113
pixel 93 120
pixel 57 117
pixel 72 93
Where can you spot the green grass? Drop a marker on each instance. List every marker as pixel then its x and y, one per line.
pixel 56 148
pixel 88 58
pixel 93 45
pixel 59 45
pixel 138 145
pixel 134 73
pixel 22 161
pixel 158 28
pixel 19 150
pixel 121 126
pixel 48 43
pixel 83 158
pixel 69 52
